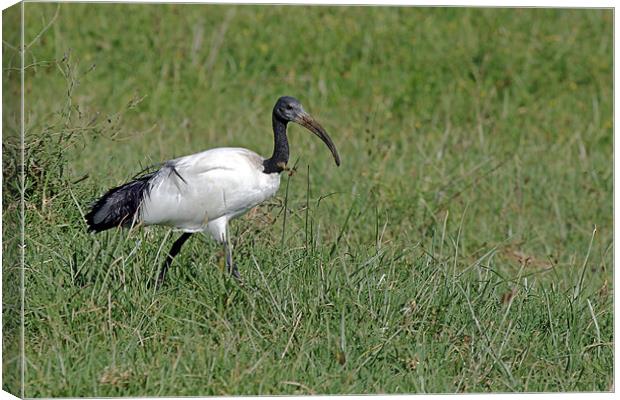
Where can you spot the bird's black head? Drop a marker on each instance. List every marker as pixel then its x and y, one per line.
pixel 289 109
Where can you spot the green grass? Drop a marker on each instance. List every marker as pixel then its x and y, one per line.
pixel 464 245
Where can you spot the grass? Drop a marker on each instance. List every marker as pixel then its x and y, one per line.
pixel 464 245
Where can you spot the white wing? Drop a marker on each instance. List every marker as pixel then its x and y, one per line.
pixel 190 191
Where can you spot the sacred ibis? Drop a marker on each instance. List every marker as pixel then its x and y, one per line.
pixel 204 191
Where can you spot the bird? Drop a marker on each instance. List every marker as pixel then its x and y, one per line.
pixel 203 192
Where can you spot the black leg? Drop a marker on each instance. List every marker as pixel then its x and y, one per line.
pixel 174 250
pixel 230 264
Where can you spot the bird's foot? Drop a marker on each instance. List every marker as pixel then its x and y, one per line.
pixel 157 283
pixel 234 271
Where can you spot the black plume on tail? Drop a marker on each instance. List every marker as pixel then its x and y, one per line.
pixel 119 206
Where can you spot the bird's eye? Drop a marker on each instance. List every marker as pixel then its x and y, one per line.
pixel 289 107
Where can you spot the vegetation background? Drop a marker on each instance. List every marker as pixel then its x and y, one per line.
pixel 464 245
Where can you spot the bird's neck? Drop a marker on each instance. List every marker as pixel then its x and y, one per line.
pixel 279 158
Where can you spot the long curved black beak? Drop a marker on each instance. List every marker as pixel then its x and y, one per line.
pixel 306 120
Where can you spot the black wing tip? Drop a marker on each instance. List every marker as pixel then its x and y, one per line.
pixel 95 228
pixel 121 205
pixel 91 226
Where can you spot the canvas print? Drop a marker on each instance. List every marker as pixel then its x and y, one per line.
pixel 220 199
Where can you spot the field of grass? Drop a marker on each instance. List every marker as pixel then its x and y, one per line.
pixel 464 245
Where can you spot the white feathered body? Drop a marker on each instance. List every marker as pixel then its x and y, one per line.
pixel 204 191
